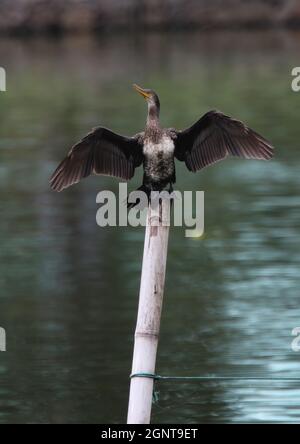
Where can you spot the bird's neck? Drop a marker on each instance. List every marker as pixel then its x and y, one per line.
pixel 153 117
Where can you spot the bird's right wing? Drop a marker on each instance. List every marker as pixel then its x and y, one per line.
pixel 214 137
pixel 100 152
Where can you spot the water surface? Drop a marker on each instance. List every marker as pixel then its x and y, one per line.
pixel 69 290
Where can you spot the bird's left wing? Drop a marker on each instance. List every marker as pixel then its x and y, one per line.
pixel 100 152
pixel 214 137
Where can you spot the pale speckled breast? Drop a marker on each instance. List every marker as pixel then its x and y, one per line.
pixel 159 159
pixel 166 146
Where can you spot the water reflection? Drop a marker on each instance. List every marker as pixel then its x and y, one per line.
pixel 69 290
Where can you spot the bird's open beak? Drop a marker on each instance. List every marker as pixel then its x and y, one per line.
pixel 141 91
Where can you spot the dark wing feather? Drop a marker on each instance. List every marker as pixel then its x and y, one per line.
pixel 214 137
pixel 100 152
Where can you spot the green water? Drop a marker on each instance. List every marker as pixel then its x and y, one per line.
pixel 68 289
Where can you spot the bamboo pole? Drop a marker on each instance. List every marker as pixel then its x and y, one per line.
pixel 149 313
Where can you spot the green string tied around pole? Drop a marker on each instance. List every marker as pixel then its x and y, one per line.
pixel 155 395
pixel 213 378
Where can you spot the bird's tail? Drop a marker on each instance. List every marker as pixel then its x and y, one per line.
pixel 145 190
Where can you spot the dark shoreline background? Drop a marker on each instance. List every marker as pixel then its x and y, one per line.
pixel 55 16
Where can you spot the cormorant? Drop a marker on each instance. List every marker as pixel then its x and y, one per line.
pixel 212 138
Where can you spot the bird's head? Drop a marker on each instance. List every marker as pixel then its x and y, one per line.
pixel 149 95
